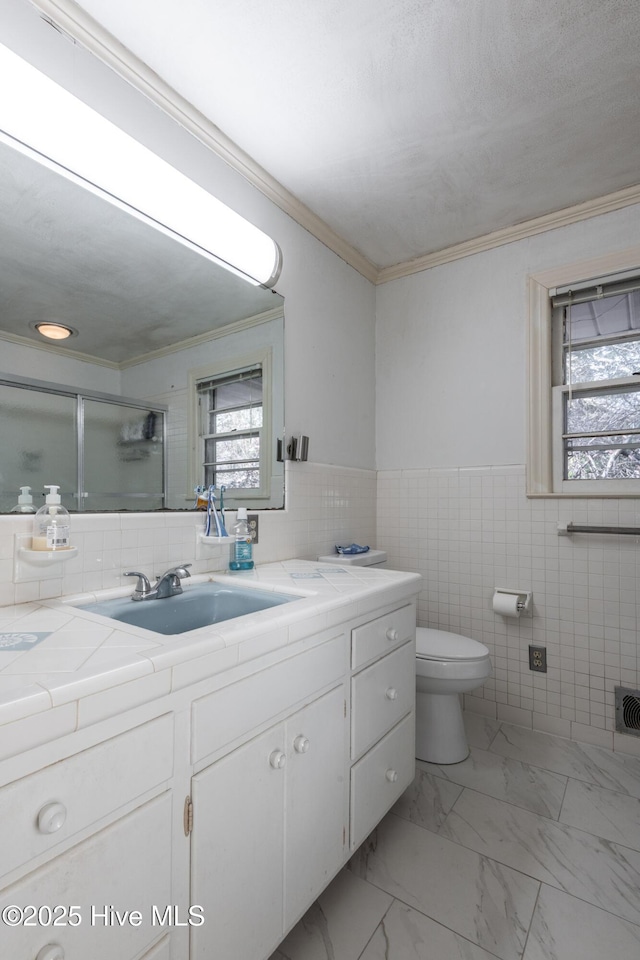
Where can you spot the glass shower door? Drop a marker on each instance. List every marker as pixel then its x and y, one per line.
pixel 37 445
pixel 123 456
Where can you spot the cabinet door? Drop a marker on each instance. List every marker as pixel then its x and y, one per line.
pixel 316 804
pixel 123 868
pixel 236 851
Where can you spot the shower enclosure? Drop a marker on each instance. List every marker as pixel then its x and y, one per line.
pixel 105 452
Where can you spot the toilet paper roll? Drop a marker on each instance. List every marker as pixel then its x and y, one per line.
pixel 506 604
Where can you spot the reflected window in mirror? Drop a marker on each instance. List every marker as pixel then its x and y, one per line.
pixel 233 428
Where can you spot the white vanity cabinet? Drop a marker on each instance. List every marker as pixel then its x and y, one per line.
pixel 382 716
pixel 269 831
pixel 270 818
pixel 288 761
pixel 90 839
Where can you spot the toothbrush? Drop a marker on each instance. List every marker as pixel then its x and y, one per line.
pixel 216 518
pixel 207 523
pixel 222 523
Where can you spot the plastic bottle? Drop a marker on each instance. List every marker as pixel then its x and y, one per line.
pixel 51 530
pixel 241 558
pixel 25 502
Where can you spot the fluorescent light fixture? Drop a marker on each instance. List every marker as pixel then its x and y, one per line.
pixel 46 122
pixel 54 331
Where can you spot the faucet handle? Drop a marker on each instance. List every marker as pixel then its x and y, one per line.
pixel 179 571
pixel 143 587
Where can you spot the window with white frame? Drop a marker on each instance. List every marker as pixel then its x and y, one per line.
pixel 231 421
pixel 596 393
pixel 584 436
pixel 231 427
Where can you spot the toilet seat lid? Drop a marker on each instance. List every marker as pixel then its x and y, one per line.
pixel 443 645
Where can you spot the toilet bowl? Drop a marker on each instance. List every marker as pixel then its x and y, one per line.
pixel 447 665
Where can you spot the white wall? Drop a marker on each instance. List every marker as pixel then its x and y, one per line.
pixel 451 435
pixel 450 347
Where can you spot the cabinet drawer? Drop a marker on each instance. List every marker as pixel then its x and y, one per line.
pixel 380 695
pixel 242 707
pixel 379 636
pixel 50 806
pixel 373 786
pixel 91 875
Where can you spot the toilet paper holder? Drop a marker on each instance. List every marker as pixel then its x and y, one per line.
pixel 525 597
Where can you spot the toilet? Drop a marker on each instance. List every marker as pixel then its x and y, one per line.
pixel 447 665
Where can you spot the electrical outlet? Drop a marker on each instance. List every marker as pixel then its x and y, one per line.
pixel 252 520
pixel 538 658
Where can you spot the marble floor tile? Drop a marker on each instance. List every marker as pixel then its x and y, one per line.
pixel 339 924
pixel 565 928
pixel 480 730
pixel 604 813
pixel 474 896
pixel 603 873
pixel 614 771
pixel 428 800
pixel 506 779
pixel 405 934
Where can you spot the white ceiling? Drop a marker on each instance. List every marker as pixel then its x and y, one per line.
pixel 409 125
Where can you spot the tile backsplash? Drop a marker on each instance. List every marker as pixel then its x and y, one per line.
pixel 325 505
pixel 468 530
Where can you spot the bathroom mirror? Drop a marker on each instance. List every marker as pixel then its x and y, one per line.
pixel 145 311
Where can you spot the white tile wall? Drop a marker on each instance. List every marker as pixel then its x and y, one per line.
pixel 325 505
pixel 468 530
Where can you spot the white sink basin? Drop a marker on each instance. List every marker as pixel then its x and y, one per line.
pixel 199 605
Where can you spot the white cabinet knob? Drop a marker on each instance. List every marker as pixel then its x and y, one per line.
pixel 391 775
pixel 391 693
pixel 392 634
pixel 301 744
pixel 277 759
pixel 52 951
pixel 51 817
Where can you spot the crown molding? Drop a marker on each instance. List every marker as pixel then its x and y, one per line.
pixel 50 348
pixel 230 328
pixel 528 228
pixel 80 27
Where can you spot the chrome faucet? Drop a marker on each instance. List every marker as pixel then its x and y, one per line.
pixel 168 585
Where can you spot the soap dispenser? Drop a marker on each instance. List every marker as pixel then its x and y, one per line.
pixel 51 530
pixel 25 502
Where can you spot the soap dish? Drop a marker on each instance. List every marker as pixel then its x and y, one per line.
pixel 47 556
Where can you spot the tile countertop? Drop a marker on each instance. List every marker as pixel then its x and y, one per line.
pixel 61 664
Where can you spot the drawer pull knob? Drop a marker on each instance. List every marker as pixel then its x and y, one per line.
pixel 301 744
pixel 392 634
pixel 391 776
pixel 277 759
pixel 391 693
pixel 52 951
pixel 51 817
